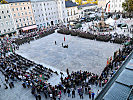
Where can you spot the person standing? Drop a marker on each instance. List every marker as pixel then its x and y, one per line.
pixel 73 93
pixel 68 91
pixel 64 90
pixel 90 94
pixel 93 94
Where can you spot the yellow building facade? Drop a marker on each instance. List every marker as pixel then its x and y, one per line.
pixel 22 14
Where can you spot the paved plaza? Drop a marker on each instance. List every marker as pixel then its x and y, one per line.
pixel 81 54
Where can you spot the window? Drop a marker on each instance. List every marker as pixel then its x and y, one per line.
pixel 15 3
pixel 34 10
pixel 14 14
pixel 2 12
pixel 4 16
pixel 0 17
pixel 11 22
pixel 23 19
pixel 28 7
pixel 18 14
pixel 4 30
pixel 8 29
pixel 12 28
pixel 20 8
pixel 22 13
pixel 21 25
pixel 24 8
pixel 18 26
pixel 17 9
pixel 27 18
pixel 7 11
pixel 20 20
pixel 29 12
pixel 12 9
pixel 6 23
pixel 31 18
pixel 16 20
pixel 2 24
pixel 9 16
pixel 25 13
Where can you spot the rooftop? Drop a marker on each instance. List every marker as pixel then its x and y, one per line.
pixel 86 5
pixel 120 87
pixel 13 1
pixel 70 4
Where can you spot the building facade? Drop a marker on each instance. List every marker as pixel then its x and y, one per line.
pixel 7 24
pixel 116 5
pixel 62 11
pixel 49 12
pixel 102 3
pixel 72 10
pixel 22 13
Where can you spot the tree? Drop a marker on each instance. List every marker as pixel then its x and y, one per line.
pixel 4 2
pixel 128 5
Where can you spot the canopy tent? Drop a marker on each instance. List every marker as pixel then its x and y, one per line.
pixel 110 21
pixel 29 27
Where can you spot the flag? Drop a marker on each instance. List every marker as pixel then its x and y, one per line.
pixel 11 48
pixel 40 75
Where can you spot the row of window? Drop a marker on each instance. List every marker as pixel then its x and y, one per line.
pixel 45 4
pixel 19 3
pixel 3 12
pixel 7 23
pixel 8 16
pixel 22 14
pixel 116 5
pixel 8 30
pixel 48 18
pixel 23 25
pixel 21 8
pixel 23 19
pixel 72 13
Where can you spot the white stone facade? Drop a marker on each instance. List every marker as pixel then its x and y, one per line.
pixel 116 5
pixel 48 12
pixel 72 13
pixel 7 24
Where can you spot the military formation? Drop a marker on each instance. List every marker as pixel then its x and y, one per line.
pixel 119 39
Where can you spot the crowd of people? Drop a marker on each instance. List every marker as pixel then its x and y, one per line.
pixel 93 36
pixel 14 67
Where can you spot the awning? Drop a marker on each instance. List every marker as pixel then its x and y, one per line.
pixel 29 27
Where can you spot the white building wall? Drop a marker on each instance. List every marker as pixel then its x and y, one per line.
pixel 49 12
pixel 116 5
pixel 72 13
pixel 7 24
pixel 62 11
